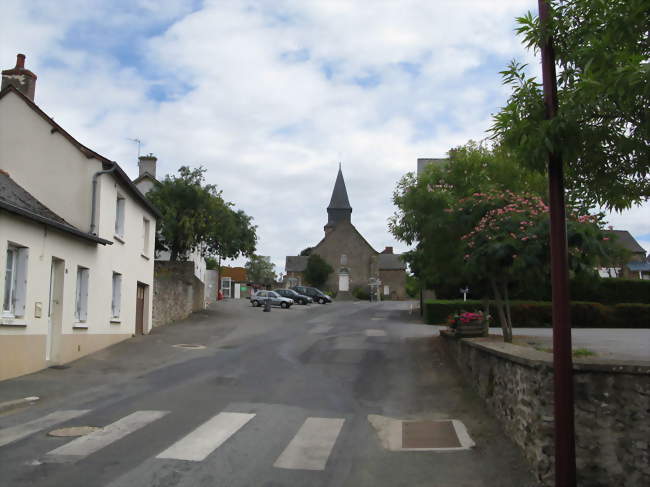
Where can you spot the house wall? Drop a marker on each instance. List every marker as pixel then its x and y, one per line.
pixel 56 173
pixel 23 340
pixel 345 239
pixel 396 282
pixel 211 286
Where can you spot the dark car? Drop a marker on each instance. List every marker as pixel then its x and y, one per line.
pixel 316 294
pixel 297 298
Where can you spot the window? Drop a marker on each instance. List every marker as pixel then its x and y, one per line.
pixel 119 216
pixel 344 259
pixel 81 304
pixel 117 296
pixel 15 282
pixel 145 237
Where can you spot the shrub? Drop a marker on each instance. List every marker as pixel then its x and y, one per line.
pixel 361 293
pixel 538 314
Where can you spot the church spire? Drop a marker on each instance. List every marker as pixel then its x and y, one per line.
pixel 339 208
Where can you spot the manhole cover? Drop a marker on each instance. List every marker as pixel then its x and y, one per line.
pixel 73 431
pixel 190 346
pixel 429 434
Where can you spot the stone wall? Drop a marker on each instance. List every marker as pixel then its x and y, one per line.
pixel 612 402
pixel 177 292
pixel 396 282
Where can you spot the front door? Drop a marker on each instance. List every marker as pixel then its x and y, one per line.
pixel 55 311
pixel 139 309
pixel 344 282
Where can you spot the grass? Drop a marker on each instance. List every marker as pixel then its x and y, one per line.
pixel 577 352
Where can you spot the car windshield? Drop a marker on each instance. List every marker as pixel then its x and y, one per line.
pixel 273 294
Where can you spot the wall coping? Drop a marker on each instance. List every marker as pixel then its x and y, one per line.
pixel 532 358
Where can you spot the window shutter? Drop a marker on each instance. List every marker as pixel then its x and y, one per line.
pixel 118 295
pixel 21 282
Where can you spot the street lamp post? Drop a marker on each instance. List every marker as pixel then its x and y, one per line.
pixel 565 466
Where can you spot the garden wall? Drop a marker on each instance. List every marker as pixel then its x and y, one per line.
pixel 177 292
pixel 612 402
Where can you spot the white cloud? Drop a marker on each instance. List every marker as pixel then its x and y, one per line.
pixel 268 96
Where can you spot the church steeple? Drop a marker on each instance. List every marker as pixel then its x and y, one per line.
pixel 339 208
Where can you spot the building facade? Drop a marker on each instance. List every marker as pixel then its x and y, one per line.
pixel 355 262
pixel 76 240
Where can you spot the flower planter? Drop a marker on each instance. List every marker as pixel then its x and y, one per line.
pixel 472 329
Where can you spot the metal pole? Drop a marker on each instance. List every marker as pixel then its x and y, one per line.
pixel 565 464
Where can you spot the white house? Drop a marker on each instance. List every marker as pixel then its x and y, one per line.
pixel 145 182
pixel 76 240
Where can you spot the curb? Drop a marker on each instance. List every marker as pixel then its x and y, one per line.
pixel 16 403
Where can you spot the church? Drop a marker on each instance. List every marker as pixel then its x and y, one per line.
pixel 356 264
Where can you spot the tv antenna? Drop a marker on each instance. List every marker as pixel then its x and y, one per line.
pixel 139 142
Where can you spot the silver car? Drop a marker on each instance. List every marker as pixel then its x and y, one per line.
pixel 274 299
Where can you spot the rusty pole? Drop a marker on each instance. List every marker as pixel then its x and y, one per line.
pixel 565 464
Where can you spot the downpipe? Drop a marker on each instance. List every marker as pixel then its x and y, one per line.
pixel 93 204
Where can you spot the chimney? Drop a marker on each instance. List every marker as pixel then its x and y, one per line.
pixel 147 165
pixel 388 250
pixel 22 79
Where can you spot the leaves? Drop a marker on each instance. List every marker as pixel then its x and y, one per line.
pixel 260 270
pixel 317 270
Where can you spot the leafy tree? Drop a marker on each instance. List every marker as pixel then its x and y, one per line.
pixel 317 270
pixel 260 270
pixel 422 219
pixel 195 216
pixel 211 264
pixel 306 251
pixel 602 127
pixel 506 243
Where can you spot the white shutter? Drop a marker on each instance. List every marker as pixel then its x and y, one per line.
pixel 84 295
pixel 118 295
pixel 20 296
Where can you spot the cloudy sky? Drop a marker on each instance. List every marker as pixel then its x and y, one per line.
pixel 269 96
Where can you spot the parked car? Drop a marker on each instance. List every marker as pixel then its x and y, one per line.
pixel 291 294
pixel 316 294
pixel 274 299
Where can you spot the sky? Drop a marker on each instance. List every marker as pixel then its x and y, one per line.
pixel 269 96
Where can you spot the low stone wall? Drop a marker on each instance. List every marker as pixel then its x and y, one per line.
pixel 612 415
pixel 177 292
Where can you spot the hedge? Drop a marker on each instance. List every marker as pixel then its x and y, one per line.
pixel 535 314
pixel 597 290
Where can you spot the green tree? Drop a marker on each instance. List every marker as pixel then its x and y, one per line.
pixel 306 251
pixel 317 270
pixel 260 270
pixel 602 127
pixel 211 264
pixel 195 216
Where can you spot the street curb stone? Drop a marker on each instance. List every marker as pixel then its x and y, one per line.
pixel 16 403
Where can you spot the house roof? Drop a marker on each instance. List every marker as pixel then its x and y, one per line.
pixel 237 274
pixel 16 199
pixel 390 262
pixel 89 153
pixel 627 241
pixel 296 263
pixel 339 199
pixel 639 266
pixel 144 176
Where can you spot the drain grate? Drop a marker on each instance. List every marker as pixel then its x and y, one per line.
pixel 189 346
pixel 73 431
pixel 429 434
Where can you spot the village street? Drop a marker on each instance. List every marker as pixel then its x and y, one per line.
pixel 287 398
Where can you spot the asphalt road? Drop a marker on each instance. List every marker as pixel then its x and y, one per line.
pixel 288 398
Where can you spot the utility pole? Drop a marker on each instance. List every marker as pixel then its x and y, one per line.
pixel 565 458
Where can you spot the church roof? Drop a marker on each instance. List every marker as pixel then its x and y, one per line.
pixel 390 262
pixel 340 199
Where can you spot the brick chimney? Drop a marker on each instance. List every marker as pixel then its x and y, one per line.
pixel 147 165
pixel 387 250
pixel 23 79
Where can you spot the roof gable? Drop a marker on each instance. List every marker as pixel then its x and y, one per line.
pixel 339 228
pixel 627 241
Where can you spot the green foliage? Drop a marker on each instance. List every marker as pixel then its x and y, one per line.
pixel 317 270
pixel 211 264
pixel 538 314
pixel 306 251
pixel 412 286
pixel 602 127
pixel 195 216
pixel 260 270
pixel 361 293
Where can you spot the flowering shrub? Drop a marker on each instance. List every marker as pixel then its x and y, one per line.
pixel 466 317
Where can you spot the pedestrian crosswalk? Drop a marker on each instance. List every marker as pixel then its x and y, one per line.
pixel 309 449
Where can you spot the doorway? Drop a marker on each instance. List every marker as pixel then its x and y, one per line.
pixel 139 308
pixel 55 312
pixel 344 282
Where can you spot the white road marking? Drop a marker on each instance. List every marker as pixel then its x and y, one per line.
pixel 375 333
pixel 18 432
pixel 93 442
pixel 312 445
pixel 197 445
pixel 322 328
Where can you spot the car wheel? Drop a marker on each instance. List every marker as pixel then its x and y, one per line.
pixel 302 301
pixel 284 305
pixel 256 303
pixel 321 300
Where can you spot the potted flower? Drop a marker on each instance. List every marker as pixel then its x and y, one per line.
pixel 469 324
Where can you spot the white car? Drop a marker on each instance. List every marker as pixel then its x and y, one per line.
pixel 274 299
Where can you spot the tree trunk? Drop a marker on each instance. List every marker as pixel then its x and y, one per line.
pixel 498 303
